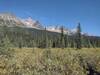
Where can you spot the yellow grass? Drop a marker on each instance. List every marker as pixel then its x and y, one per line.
pixel 55 61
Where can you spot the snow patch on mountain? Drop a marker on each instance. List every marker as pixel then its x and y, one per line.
pixel 30 23
pixel 58 29
pixel 11 20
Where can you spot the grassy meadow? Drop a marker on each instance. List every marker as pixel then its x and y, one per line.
pixel 54 61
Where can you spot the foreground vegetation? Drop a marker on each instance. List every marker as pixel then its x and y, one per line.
pixel 55 61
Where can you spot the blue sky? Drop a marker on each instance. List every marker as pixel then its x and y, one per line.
pixel 58 12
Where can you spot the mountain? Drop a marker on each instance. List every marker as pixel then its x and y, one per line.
pixel 30 23
pixel 66 30
pixel 29 32
pixel 58 29
pixel 10 20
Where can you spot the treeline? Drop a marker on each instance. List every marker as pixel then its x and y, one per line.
pixel 29 37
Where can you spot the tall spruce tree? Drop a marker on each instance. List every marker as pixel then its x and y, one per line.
pixel 62 38
pixel 78 34
pixel 46 38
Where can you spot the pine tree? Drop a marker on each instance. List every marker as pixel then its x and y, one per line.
pixel 20 42
pixel 66 43
pixel 46 39
pixel 78 38
pixel 62 38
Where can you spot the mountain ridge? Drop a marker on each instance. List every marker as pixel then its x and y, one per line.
pixel 11 20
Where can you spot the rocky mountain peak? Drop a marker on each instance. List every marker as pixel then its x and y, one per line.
pixel 11 20
pixel 30 23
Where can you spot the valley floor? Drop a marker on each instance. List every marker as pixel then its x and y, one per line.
pixel 54 61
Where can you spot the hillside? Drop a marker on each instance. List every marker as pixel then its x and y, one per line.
pixel 30 33
pixel 27 37
pixel 11 20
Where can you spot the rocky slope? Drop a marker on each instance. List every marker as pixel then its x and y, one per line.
pixel 10 20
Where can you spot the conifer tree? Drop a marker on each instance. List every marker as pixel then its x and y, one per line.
pixel 62 38
pixel 78 34
pixel 46 39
